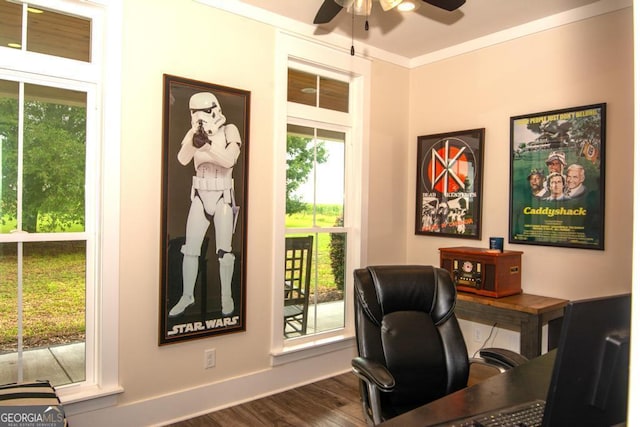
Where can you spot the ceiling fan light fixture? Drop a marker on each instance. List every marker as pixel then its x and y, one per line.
pixel 389 4
pixel 408 5
pixel 358 7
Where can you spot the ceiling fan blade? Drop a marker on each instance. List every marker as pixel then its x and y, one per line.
pixel 449 5
pixel 328 10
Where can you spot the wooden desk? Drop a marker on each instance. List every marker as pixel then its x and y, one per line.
pixel 518 385
pixel 525 313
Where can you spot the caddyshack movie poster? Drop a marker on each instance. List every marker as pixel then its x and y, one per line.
pixel 557 178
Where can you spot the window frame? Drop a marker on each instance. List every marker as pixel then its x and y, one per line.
pixel 304 55
pixel 316 230
pixel 100 79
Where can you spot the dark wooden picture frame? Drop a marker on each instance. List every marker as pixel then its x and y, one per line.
pixel 204 190
pixel 449 184
pixel 553 149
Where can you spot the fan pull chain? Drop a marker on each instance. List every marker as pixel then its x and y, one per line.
pixel 366 22
pixel 353 50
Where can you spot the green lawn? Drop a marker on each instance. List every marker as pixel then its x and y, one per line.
pixel 53 294
pixel 7 225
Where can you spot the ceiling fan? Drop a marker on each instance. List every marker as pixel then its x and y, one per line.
pixel 330 8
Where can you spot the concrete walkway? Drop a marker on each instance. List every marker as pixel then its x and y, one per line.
pixel 330 316
pixel 61 364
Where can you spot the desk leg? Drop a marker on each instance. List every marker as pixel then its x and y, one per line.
pixel 555 326
pixel 530 337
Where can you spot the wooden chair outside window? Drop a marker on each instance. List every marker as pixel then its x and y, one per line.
pixel 297 279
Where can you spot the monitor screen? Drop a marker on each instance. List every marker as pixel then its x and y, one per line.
pixel 591 372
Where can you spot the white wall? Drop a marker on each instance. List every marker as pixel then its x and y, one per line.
pixel 583 63
pixel 388 165
pixel 565 67
pixel 634 369
pixel 162 383
pixel 578 64
pixel 187 39
pixel 570 66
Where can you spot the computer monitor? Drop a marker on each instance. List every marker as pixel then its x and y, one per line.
pixel 589 384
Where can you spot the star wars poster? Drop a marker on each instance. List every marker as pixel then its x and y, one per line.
pixel 204 209
pixel 449 186
pixel 557 178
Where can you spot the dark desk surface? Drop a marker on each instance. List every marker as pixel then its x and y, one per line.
pixel 522 384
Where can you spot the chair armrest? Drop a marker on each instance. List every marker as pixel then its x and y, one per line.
pixel 373 373
pixel 501 358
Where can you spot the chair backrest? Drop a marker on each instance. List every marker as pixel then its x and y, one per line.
pixel 297 270
pixel 405 320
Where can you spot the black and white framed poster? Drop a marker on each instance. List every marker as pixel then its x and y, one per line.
pixel 204 209
pixel 557 178
pixel 449 184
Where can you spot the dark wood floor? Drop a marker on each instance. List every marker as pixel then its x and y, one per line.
pixel 331 402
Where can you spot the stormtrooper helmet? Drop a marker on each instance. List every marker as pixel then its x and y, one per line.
pixel 206 112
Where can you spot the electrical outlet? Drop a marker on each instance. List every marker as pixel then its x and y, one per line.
pixel 477 335
pixel 209 358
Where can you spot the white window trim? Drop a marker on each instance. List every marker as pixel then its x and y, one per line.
pixel 293 48
pixel 104 72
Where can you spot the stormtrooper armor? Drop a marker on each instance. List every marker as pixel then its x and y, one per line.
pixel 214 148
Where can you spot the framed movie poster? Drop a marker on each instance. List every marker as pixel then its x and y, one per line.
pixel 204 209
pixel 449 184
pixel 557 178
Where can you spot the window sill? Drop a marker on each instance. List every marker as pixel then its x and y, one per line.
pixel 77 400
pixel 307 349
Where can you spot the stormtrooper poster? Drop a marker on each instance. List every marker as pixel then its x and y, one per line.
pixel 204 209
pixel 449 184
pixel 557 178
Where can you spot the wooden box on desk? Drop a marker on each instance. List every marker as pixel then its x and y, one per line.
pixel 483 271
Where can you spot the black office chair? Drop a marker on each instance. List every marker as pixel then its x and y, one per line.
pixel 410 347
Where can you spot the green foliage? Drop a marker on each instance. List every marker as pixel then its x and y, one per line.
pixel 301 158
pixel 53 168
pixel 329 211
pixel 337 254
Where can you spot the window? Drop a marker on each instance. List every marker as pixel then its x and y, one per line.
pixel 43 33
pixel 315 206
pixel 317 91
pixel 319 176
pixel 57 191
pixel 43 256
